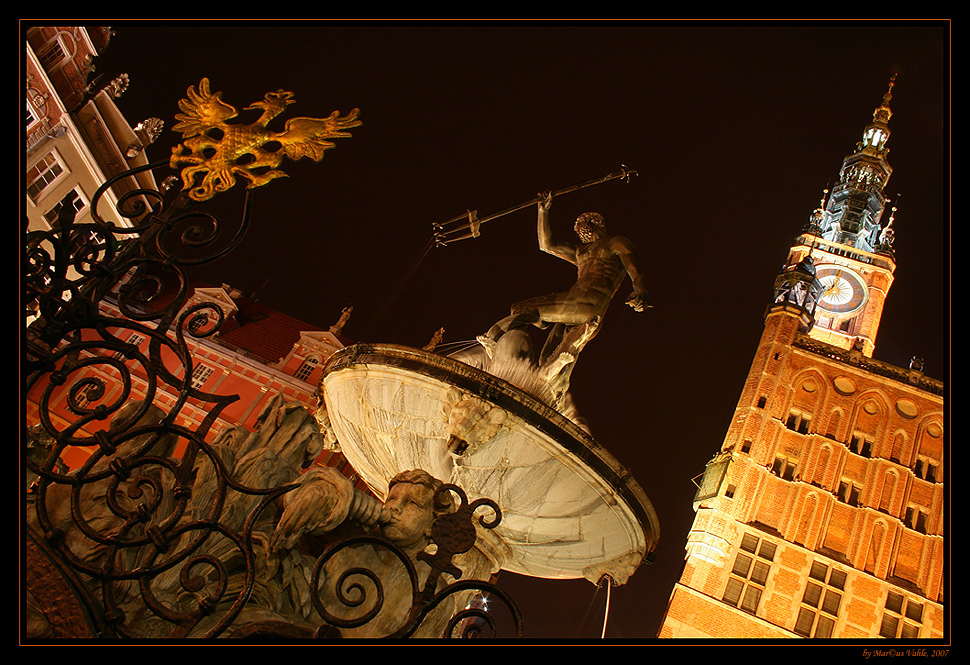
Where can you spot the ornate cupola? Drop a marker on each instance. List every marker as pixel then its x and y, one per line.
pixel 797 290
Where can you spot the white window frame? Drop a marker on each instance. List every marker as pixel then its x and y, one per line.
pixel 306 368
pixel 81 205
pixel 49 183
pixel 199 375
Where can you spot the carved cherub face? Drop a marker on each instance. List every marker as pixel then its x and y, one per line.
pixel 589 226
pixel 411 510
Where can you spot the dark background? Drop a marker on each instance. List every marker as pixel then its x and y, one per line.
pixel 735 129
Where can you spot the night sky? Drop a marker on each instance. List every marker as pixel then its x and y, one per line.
pixel 735 129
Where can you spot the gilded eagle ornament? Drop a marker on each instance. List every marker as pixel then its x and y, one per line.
pixel 220 151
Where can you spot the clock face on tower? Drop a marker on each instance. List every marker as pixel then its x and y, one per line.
pixel 843 291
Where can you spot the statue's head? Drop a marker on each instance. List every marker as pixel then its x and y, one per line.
pixel 589 225
pixel 413 507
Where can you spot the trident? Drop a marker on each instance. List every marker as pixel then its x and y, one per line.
pixel 468 225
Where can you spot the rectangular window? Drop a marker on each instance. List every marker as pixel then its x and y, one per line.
pixel 51 54
pixel 890 625
pixel 909 631
pixel 902 617
pixel 750 573
pixel 135 340
pixel 825 627
pixel 805 622
pixel 752 596
pixel 42 174
pixel 925 469
pixel 849 493
pixel 914 611
pixel 733 591
pixel 820 601
pixel 916 519
pixel 860 445
pixel 784 468
pixel 74 199
pixel 199 375
pixel 813 594
pixel 30 116
pixel 798 422
pixel 306 368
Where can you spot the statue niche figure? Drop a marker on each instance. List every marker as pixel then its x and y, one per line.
pixel 602 262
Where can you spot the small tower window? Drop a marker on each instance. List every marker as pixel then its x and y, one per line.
pixel 860 445
pixel 849 493
pixel 916 519
pixel 875 137
pixel 925 469
pixel 784 468
pixel 798 422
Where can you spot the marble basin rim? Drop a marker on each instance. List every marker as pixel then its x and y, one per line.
pixel 569 508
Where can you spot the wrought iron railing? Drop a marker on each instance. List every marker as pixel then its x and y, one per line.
pixel 162 532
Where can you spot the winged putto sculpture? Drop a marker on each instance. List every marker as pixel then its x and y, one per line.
pixel 220 150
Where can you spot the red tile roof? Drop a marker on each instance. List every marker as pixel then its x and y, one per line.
pixel 262 331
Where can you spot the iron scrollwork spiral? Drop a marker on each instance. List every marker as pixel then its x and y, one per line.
pixel 162 531
pixel 123 520
pixel 360 595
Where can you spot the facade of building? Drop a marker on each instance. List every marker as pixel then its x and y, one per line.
pixel 822 515
pixel 76 138
pixel 257 354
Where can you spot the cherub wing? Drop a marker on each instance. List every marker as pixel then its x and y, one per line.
pixel 202 109
pixel 309 137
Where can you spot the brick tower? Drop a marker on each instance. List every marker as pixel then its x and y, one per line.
pixel 822 514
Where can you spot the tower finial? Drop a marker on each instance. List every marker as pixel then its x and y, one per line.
pixel 889 93
pixel 883 113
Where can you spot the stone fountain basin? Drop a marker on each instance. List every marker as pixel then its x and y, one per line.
pixel 569 508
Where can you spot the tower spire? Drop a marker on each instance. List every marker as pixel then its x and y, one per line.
pixel 852 214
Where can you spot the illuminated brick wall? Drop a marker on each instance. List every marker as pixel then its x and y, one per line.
pixel 828 520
